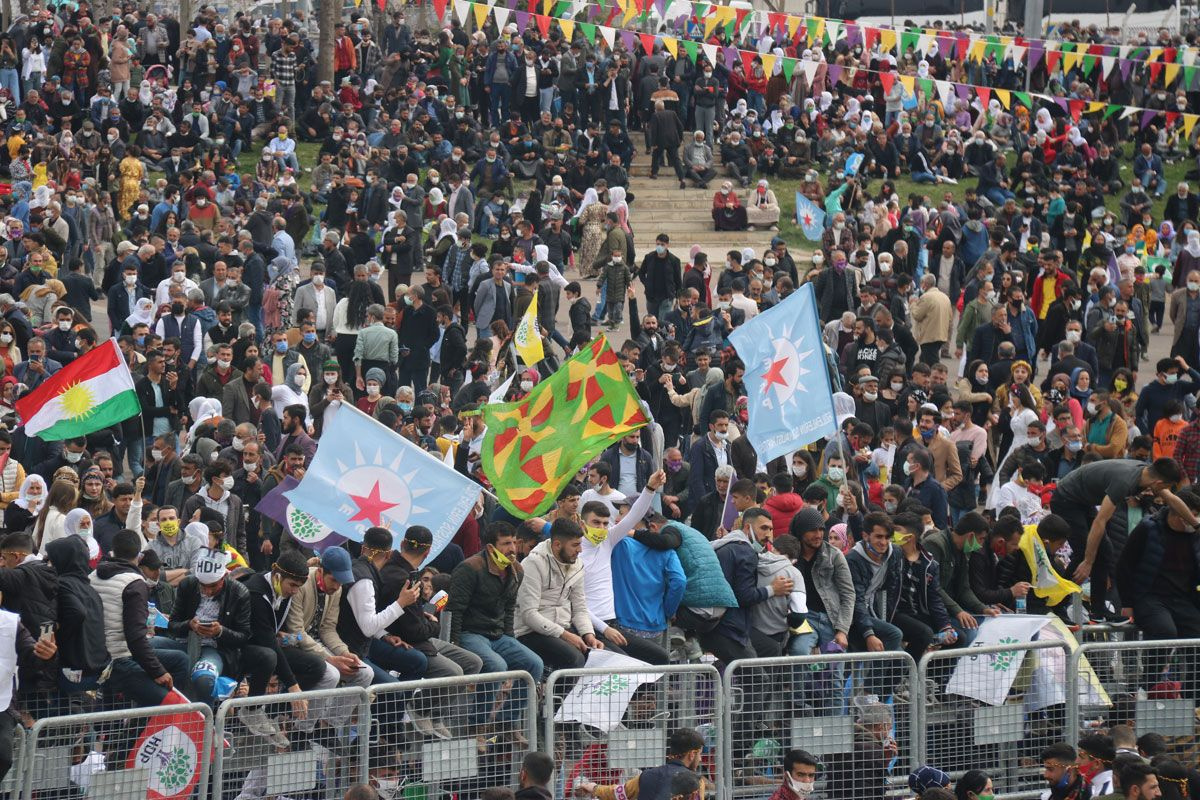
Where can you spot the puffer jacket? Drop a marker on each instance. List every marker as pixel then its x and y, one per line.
pixel 30 590
pixel 782 507
pixel 551 598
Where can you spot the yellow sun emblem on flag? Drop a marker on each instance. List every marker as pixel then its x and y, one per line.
pixel 77 401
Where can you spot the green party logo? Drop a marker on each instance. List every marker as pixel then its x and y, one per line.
pixel 1003 661
pixel 613 684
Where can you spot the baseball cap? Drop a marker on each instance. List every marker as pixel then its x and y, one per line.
pixel 336 561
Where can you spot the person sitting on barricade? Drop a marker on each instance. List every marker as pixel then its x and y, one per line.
pixel 142 671
pixel 419 628
pixel 311 618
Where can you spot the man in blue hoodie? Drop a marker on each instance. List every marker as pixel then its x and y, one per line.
pixel 648 582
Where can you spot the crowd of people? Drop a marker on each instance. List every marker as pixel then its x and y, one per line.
pixel 464 171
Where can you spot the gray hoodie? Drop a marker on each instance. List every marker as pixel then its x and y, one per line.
pixel 770 617
pixel 874 600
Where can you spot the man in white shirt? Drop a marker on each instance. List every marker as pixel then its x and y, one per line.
pixel 741 302
pixel 599 489
pixel 1023 492
pixel 178 277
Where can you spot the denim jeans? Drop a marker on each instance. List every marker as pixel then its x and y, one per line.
pixel 384 659
pixel 204 672
pixel 137 455
pixel 10 80
pixel 128 678
pixel 500 655
pixel 499 104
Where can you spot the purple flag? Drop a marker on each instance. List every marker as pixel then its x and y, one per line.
pixel 729 512
pixel 1147 116
pixel 305 527
pixel 945 45
pixel 731 56
pixel 1126 68
pixel 628 39
pixel 835 72
pixel 963 91
pixel 1036 49
pixel 1114 274
pixel 522 20
pixel 853 34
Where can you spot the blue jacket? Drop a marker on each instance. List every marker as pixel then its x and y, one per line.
pixel 489 68
pixel 648 585
pixel 739 563
pixel 1024 333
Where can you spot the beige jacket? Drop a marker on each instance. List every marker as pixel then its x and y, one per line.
pixel 300 616
pixel 932 313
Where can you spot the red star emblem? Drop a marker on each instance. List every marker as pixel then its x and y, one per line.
pixel 371 506
pixel 806 220
pixel 775 374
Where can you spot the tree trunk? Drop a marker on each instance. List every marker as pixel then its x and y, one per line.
pixel 330 14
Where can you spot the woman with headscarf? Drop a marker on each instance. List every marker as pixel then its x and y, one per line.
pixel 78 522
pixel 617 204
pixel 21 513
pixel 590 220
pixel 762 209
pixel 973 388
pixel 280 295
pixel 293 390
pixel 1123 389
pixel 728 213
pixel 142 314
pixel 1189 259
pixel 41 300
pixel 1023 410
pixel 435 204
pixel 92 497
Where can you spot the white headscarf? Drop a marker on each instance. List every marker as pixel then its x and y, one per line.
pixel 142 314
pixel 23 497
pixel 1192 248
pixel 71 527
pixel 590 198
pixel 447 227
pixel 616 199
pixel 826 101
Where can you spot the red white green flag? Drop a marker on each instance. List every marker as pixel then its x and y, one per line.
pixel 92 392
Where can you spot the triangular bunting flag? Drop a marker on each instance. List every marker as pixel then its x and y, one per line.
pixel 481 14
pixel 910 83
pixel 1024 99
pixel 647 42
pixel 834 30
pixel 1189 122
pixel 768 62
pixel 439 8
pixel 691 48
pixel 834 72
pixel 1076 107
pixel 522 20
pixel 672 45
pixel 984 94
pixel 887 40
pixel 1106 65
pixel 461 9
pixel 1147 116
pixel 1170 74
pixel 1052 58
pixel 789 67
pixel 543 25
pixel 568 29
pixel 1112 109
pixel 810 71
pixel 501 16
pixel 945 93
pixel 628 39
pixel 888 79
pixel 1036 50
pixel 1004 97
pixel 710 52
pixel 608 35
pixel 793 25
pixel 710 24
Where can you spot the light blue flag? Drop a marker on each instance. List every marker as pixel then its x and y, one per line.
pixel 810 218
pixel 852 164
pixel 787 384
pixel 365 475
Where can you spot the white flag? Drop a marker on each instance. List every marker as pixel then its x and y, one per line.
pixel 599 701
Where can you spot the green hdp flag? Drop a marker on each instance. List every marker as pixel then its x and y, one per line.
pixel 534 446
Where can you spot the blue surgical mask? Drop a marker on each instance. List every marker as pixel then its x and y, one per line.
pixel 281 347
pixel 310 337
pixel 406 407
pixel 139 340
pixel 1075 447
pixel 660 249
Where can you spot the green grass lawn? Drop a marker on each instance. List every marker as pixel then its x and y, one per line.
pixel 785 190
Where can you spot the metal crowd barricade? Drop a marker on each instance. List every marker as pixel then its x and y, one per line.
pixel 604 724
pixel 297 756
pixel 993 708
pixel 10 787
pixel 120 755
pixel 1152 686
pixel 840 707
pixel 453 735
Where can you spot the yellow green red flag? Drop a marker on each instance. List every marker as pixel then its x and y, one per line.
pixel 534 446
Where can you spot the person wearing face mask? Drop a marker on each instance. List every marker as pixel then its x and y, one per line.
pixel 677 779
pixel 1174 380
pixel 951 548
pixel 184 326
pixel 217 494
pixel 799 774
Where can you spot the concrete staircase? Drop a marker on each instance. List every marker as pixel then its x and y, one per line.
pixel 685 215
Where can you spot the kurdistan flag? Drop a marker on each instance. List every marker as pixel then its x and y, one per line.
pixel 92 392
pixel 533 447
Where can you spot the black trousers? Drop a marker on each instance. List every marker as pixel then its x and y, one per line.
pixel 308 668
pixel 1169 618
pixel 1080 519
pixel 672 156
pixel 931 352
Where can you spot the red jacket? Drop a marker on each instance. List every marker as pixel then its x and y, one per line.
pixel 1036 298
pixel 782 508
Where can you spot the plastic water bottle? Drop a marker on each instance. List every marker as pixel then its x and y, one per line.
pixel 152 616
pixel 1022 606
